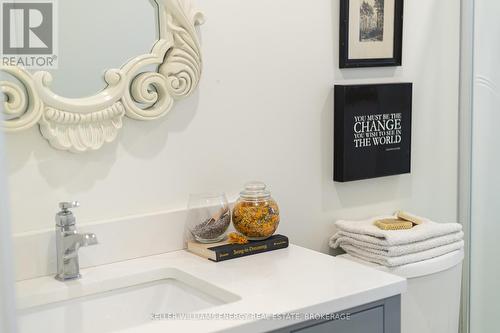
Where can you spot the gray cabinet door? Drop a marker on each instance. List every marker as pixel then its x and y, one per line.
pixel 378 317
pixel 367 321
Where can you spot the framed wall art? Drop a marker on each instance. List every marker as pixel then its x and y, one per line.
pixel 371 33
pixel 372 131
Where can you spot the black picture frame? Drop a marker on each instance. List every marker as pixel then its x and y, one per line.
pixel 363 150
pixel 396 60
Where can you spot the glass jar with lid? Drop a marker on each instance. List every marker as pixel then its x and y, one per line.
pixel 256 214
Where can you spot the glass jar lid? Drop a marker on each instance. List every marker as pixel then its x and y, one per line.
pixel 255 191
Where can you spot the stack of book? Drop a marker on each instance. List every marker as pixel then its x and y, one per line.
pixel 225 251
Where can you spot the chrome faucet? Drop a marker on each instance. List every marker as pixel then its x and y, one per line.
pixel 68 241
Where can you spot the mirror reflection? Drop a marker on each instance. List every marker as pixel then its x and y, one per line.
pixel 121 30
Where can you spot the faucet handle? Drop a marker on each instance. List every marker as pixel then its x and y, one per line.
pixel 65 206
pixel 65 217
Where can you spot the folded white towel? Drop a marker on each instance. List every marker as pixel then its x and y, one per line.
pixel 366 231
pixel 404 259
pixel 340 240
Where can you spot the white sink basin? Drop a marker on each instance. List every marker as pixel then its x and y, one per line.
pixel 115 309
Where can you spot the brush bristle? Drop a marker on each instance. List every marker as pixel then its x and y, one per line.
pixel 393 224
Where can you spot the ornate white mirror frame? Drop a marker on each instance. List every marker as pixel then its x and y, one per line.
pixel 85 124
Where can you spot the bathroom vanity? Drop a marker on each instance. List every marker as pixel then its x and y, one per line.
pixel 383 316
pixel 289 290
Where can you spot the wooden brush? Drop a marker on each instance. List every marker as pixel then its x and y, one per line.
pixel 408 217
pixel 393 224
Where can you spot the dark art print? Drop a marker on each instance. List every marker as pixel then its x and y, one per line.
pixel 371 33
pixel 371 24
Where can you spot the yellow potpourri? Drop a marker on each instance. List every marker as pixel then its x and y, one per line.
pixel 237 238
pixel 256 219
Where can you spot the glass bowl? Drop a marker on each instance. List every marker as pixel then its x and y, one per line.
pixel 208 217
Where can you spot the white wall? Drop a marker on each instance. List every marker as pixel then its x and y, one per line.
pixel 485 272
pixel 264 110
pixel 7 299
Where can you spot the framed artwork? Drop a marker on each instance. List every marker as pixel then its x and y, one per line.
pixel 371 33
pixel 372 131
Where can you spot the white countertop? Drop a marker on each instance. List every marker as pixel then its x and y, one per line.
pixel 291 280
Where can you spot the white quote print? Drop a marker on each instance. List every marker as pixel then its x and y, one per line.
pixel 377 130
